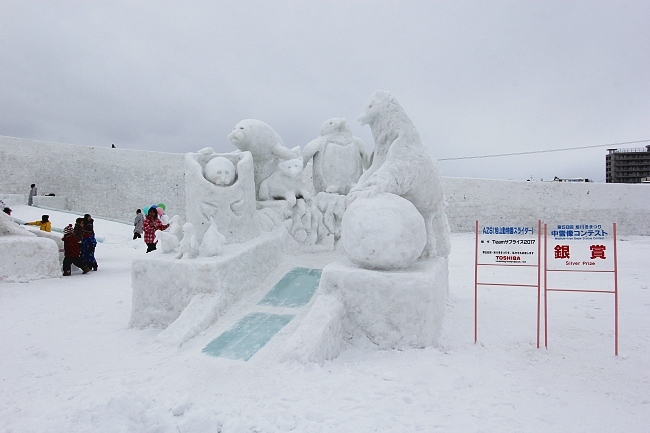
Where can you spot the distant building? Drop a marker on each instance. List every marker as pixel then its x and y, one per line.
pixel 627 165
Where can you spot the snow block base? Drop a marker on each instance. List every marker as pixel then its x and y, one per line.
pixel 391 309
pixel 164 286
pixel 24 258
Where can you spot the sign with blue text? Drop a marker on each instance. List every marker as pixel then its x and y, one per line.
pixel 580 247
pixel 514 244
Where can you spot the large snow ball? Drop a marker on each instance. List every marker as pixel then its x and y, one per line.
pixel 220 171
pixel 383 232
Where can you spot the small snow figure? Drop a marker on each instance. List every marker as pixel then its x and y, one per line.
pixel 188 247
pixel 285 183
pixel 176 226
pixel 213 241
pixel 167 241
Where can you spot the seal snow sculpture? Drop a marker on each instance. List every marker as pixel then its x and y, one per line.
pixel 264 144
pixel 339 157
pixel 402 166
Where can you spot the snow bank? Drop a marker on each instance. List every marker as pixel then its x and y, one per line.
pixel 109 182
pixel 56 237
pixel 53 202
pixel 13 199
pixel 27 258
pixel 117 181
pixel 515 202
pixel 164 286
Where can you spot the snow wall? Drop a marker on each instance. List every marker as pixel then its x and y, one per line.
pixel 114 182
pixel 106 182
pixel 513 202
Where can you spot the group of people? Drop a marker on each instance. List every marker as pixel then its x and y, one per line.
pixel 148 227
pixel 79 246
pixel 78 243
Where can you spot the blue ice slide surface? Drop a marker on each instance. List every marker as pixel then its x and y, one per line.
pixel 295 289
pixel 248 336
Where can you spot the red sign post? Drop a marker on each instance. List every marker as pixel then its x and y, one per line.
pixel 507 246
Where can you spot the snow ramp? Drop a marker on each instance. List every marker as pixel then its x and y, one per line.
pixel 286 300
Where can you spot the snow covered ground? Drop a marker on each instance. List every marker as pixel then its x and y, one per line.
pixel 70 364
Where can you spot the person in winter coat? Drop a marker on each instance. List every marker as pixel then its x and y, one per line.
pixel 137 222
pixel 72 253
pixel 45 223
pixel 88 242
pixel 32 193
pixel 149 226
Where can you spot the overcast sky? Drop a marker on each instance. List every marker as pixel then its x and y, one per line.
pixel 476 77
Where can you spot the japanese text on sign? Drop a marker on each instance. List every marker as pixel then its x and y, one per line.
pixel 508 245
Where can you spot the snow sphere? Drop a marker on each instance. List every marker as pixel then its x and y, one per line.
pixel 383 232
pixel 220 171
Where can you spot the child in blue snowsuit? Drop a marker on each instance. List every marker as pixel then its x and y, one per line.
pixel 88 243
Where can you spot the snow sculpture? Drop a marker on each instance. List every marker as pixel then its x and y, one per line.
pixel 213 241
pixel 402 166
pixel 26 256
pixel 339 157
pixel 286 183
pixel 220 171
pixel 383 232
pixel 167 241
pixel 264 144
pixel 233 206
pixel 188 247
pixel 176 226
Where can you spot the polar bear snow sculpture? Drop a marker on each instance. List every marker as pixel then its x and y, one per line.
pixel 402 166
pixel 339 157
pixel 286 183
pixel 264 144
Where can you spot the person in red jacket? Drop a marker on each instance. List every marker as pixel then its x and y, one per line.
pixel 149 226
pixel 72 252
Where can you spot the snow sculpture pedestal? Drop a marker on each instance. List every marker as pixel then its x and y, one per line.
pixel 186 296
pixel 26 258
pixel 392 309
pixel 387 309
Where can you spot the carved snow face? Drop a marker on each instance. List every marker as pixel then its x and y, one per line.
pixel 188 229
pixel 238 136
pixel 291 167
pixel 377 103
pixel 333 125
pixel 220 171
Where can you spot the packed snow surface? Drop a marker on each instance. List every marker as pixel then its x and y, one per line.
pixel 71 364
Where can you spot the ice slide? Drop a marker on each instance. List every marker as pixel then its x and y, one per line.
pixel 254 328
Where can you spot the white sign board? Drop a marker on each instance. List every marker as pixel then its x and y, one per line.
pixel 583 247
pixel 508 245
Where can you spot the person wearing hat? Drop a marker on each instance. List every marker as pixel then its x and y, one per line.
pixel 45 223
pixel 72 252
